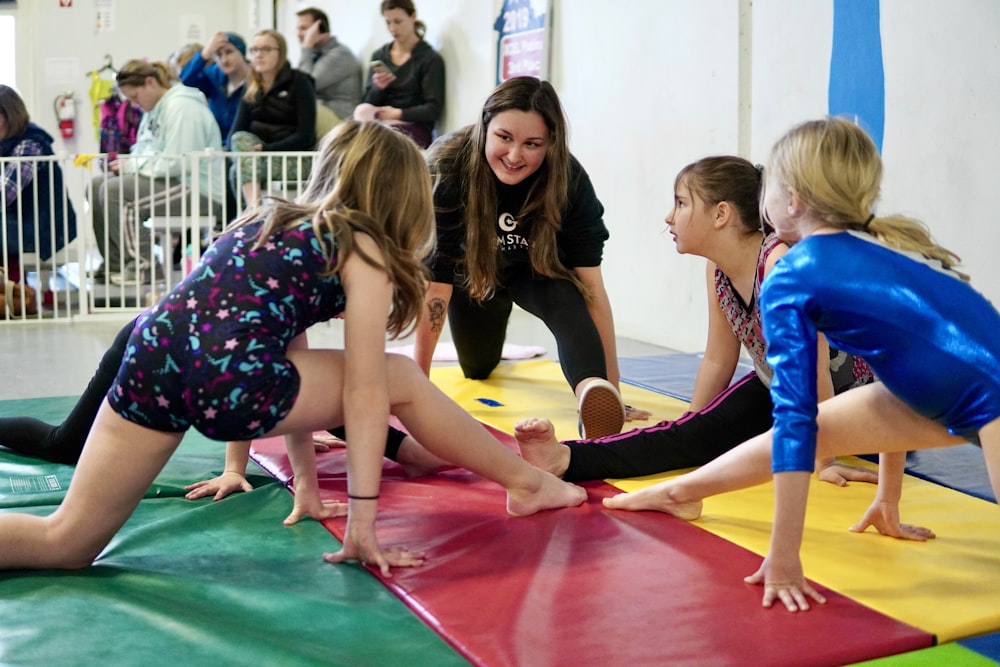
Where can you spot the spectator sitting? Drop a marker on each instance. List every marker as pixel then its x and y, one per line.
pixel 407 89
pixel 277 113
pixel 176 122
pixel 334 69
pixel 29 188
pixel 220 71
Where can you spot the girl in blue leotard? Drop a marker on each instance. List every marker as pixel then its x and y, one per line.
pixel 225 352
pixel 876 287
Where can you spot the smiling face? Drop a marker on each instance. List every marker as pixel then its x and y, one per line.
pixel 515 145
pixel 400 25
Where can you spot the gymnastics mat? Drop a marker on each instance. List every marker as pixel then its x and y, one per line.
pixel 585 585
pixel 948 586
pixel 198 583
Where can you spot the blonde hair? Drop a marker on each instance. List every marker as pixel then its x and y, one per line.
pixel 255 81
pixel 370 179
pixel 135 72
pixel 181 57
pixel 835 168
pixel 459 161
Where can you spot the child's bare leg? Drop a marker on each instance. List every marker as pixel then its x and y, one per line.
pixel 536 438
pixel 119 462
pixel 864 420
pixel 435 421
pixel 989 438
pixel 416 460
pixel 449 432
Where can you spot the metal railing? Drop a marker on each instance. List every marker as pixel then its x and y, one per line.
pixel 92 235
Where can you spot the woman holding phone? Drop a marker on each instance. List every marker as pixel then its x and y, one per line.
pixel 406 77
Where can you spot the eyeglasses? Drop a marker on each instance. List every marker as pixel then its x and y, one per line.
pixel 254 50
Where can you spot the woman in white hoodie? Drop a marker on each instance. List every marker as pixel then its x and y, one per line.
pixel 151 181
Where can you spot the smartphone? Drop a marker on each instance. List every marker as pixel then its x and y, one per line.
pixel 380 67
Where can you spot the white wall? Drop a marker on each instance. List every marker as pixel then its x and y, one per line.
pixel 650 85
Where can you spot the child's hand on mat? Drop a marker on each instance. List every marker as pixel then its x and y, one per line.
pixel 324 442
pixel 636 413
pixel 834 472
pixel 884 517
pixel 225 484
pixel 784 581
pixel 361 544
pixel 310 504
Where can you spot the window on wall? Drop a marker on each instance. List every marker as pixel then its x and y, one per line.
pixel 7 50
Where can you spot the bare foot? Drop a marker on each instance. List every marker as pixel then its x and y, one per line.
pixel 416 460
pixel 658 498
pixel 536 438
pixel 549 493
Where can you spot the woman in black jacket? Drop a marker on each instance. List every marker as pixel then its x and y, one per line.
pixel 277 113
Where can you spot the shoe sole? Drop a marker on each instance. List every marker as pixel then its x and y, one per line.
pixel 602 411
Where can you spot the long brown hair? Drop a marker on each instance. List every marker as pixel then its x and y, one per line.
pixel 255 81
pixel 373 180
pixel 14 111
pixel 460 159
pixel 834 167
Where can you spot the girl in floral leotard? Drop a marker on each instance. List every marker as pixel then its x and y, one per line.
pixel 716 215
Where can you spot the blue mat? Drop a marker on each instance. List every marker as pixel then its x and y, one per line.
pixel 961 468
pixel 987 645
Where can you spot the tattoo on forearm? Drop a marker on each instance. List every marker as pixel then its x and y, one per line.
pixel 435 314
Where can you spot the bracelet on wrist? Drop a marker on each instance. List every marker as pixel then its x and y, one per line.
pixel 356 497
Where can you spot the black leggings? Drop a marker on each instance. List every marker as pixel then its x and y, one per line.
pixel 64 442
pixel 478 329
pixel 734 416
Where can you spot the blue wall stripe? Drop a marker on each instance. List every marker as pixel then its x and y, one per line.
pixel 857 75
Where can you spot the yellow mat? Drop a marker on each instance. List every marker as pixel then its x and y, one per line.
pixel 949 586
pixel 537 389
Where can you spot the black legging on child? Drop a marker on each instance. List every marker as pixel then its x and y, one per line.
pixel 63 443
pixel 478 329
pixel 734 416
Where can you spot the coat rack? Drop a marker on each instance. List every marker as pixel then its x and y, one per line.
pixel 107 66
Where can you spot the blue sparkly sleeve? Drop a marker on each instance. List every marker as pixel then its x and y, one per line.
pixel 791 351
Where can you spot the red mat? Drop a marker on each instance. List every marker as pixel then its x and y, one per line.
pixel 588 585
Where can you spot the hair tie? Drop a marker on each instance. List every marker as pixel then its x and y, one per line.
pixel 356 497
pixel 868 221
pixel 760 168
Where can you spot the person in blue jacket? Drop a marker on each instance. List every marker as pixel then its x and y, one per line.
pixel 220 70
pixel 34 201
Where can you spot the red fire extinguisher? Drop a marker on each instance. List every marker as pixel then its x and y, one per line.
pixel 65 107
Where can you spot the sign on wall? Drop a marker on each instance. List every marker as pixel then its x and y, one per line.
pixel 523 39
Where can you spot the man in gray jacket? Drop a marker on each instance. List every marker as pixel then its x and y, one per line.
pixel 335 70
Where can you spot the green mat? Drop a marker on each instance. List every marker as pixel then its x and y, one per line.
pixel 197 582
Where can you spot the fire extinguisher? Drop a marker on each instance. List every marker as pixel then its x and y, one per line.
pixel 65 107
